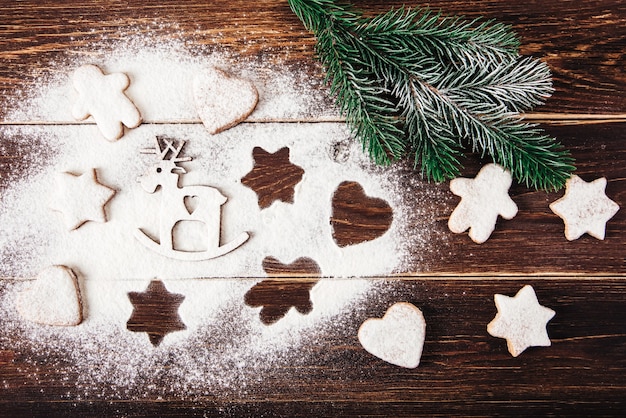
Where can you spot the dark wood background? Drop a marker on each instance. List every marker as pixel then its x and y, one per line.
pixel 464 371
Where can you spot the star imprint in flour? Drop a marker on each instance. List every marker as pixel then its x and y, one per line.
pixel 81 198
pixel 273 177
pixel 155 311
pixel 585 208
pixel 482 200
pixel 521 320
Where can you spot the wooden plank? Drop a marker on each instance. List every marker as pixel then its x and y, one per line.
pixel 463 369
pixel 583 43
pixel 531 243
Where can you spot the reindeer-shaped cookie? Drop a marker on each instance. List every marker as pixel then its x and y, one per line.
pixel 165 174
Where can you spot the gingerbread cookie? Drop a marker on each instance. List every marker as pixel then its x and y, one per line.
pixel 585 208
pixel 521 320
pixel 81 198
pixel 482 200
pixel 102 97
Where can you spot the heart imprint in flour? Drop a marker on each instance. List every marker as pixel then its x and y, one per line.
pixel 357 217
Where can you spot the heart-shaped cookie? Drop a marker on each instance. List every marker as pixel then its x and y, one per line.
pixel 223 101
pixel 398 337
pixel 356 217
pixel 53 298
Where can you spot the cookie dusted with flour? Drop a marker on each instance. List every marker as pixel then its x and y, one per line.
pixel 585 208
pixel 223 101
pixel 53 298
pixel 482 199
pixel 397 337
pixel 521 320
pixel 81 198
pixel 102 97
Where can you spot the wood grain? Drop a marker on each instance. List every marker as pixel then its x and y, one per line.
pixel 463 371
pixel 533 242
pixel 356 217
pixel 583 42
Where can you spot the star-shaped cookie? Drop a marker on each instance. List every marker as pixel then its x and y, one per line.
pixel 521 320
pixel 482 200
pixel 585 208
pixel 273 177
pixel 81 198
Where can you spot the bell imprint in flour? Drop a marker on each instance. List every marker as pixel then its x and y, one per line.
pixel 175 209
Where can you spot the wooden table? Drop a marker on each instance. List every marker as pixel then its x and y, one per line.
pixel 464 371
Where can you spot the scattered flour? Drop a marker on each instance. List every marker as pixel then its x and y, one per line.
pixel 225 345
pixel 34 237
pixel 225 350
pixel 161 76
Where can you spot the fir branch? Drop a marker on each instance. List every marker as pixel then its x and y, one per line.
pixel 518 84
pixel 360 97
pixel 413 82
pixel 449 39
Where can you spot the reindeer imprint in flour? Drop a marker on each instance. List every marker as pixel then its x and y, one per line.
pixel 223 101
pixel 102 97
pixel 482 199
pixel 52 299
pixel 398 337
pixel 198 205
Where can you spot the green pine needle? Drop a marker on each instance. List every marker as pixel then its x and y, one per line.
pixel 412 82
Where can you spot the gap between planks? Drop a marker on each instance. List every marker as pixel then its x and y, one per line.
pixel 545 118
pixel 472 277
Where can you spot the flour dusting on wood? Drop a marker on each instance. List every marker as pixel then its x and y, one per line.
pixel 225 344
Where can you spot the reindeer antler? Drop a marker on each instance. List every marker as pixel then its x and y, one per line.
pixel 169 146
